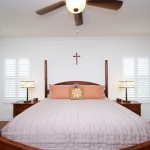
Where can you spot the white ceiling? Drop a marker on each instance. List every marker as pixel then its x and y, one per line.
pixel 18 19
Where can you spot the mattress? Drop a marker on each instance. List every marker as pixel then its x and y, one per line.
pixel 77 125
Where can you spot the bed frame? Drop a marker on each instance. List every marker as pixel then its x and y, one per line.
pixel 6 144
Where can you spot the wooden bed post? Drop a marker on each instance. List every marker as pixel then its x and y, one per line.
pixel 106 78
pixel 45 78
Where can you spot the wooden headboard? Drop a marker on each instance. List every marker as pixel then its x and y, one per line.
pixel 75 82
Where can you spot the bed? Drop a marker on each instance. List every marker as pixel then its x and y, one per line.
pixel 76 124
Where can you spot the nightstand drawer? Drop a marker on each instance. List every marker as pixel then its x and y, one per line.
pixel 133 106
pixel 136 111
pixel 20 106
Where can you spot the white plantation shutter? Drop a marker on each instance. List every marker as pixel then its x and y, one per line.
pixel 128 67
pixel 143 79
pixel 15 70
pixel 138 70
pixel 24 74
pixel 129 74
pixel 9 80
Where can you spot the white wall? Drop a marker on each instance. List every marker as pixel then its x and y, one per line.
pixel 61 64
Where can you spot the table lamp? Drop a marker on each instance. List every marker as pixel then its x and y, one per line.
pixel 27 85
pixel 126 85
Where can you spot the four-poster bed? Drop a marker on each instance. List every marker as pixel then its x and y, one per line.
pixel 7 144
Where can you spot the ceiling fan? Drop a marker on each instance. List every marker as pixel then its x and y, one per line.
pixel 109 4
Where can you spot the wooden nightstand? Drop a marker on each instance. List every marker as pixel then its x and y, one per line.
pixel 133 106
pixel 20 106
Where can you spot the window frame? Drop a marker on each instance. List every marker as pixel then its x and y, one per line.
pixel 17 78
pixel 136 79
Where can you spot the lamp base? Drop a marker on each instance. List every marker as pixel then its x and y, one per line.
pixel 127 101
pixel 27 101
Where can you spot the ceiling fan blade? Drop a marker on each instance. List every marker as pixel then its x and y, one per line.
pixel 109 4
pixel 78 19
pixel 50 8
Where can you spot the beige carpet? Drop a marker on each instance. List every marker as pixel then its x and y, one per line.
pixel 3 123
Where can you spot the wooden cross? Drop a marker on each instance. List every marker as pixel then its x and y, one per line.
pixel 76 58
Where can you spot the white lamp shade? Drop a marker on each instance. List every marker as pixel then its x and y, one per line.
pixel 75 6
pixel 126 84
pixel 27 84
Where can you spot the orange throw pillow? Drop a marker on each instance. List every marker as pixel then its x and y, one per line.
pixel 60 91
pixel 92 91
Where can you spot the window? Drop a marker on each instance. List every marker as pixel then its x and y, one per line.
pixel 129 74
pixel 15 70
pixel 138 70
pixel 143 79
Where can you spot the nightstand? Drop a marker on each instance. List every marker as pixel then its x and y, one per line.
pixel 133 106
pixel 20 106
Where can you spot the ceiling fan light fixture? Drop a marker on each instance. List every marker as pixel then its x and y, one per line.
pixel 75 6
